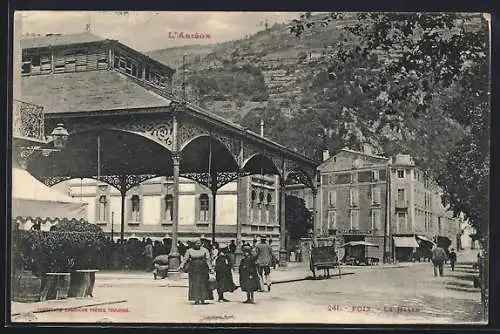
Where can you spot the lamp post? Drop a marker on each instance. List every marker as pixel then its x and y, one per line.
pixel 59 138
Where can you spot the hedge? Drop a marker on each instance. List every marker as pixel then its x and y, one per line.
pixel 69 246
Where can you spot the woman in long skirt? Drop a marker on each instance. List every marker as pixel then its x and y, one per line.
pixel 249 278
pixel 223 273
pixel 197 264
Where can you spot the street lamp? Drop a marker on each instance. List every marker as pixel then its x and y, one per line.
pixel 60 136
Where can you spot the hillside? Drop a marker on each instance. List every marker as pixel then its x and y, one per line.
pixel 271 67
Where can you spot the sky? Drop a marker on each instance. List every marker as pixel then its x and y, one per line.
pixel 145 31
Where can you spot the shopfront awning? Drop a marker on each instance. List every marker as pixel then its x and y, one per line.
pixel 421 237
pixel 405 242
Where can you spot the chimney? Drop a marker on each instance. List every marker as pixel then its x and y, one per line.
pixel 326 155
pixel 262 128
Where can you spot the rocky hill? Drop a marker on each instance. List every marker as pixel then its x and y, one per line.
pixel 271 67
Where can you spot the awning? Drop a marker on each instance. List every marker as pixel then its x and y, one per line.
pixel 359 243
pixel 405 242
pixel 421 237
pixel 32 199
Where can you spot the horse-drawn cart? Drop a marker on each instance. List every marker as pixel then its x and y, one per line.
pixel 324 258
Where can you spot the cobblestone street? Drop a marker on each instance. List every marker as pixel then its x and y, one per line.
pixel 406 294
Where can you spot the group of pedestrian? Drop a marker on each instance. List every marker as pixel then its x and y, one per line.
pixel 209 267
pixel 439 258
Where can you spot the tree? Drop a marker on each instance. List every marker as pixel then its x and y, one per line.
pixel 431 74
pixel 298 219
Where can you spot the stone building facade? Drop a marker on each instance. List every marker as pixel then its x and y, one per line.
pixel 386 202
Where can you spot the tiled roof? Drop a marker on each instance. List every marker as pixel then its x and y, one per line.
pixel 88 91
pixel 53 40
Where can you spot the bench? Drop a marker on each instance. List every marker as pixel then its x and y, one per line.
pixel 324 258
pixel 82 283
pixel 55 286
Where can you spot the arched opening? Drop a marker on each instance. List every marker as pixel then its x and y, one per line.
pixel 260 164
pixel 206 154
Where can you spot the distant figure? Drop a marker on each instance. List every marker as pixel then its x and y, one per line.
pixel 232 247
pixel 438 257
pixel 182 248
pixel 453 259
pixel 148 254
pixel 264 260
pixel 275 261
pixel 249 279
pixel 254 249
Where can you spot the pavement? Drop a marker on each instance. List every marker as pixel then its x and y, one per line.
pixel 404 294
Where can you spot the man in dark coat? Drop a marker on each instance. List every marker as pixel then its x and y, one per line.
pixel 438 257
pixel 453 259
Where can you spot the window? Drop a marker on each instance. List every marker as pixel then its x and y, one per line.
pixel 375 176
pixel 253 196
pixel 344 178
pixel 204 207
pixel 375 195
pixel 332 220
pixel 366 176
pixel 136 208
pixel 261 197
pixel 147 73
pixel 401 195
pixel 269 199
pixel 401 173
pixel 354 219
pixel 401 222
pixel 332 198
pixel 376 219
pixel 102 208
pixel 169 212
pixel 354 197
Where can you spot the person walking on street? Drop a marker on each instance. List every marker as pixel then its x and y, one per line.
pixel 249 279
pixel 453 259
pixel 223 273
pixel 148 254
pixel 232 247
pixel 438 257
pixel 198 265
pixel 264 260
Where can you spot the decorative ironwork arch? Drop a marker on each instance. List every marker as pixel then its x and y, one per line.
pixel 116 181
pixel 160 135
pixel 210 137
pixel 301 177
pixel 270 160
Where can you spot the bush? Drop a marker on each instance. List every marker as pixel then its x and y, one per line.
pixel 68 246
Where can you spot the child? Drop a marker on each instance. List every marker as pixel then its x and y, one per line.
pixel 224 275
pixel 249 279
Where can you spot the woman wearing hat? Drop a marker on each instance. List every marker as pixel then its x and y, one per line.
pixel 199 264
pixel 223 273
pixel 249 278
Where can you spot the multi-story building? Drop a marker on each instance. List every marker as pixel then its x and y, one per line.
pixel 83 72
pixel 148 208
pixel 386 202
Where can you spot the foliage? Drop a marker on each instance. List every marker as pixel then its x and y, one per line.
pixel 416 82
pixel 298 219
pixel 69 246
